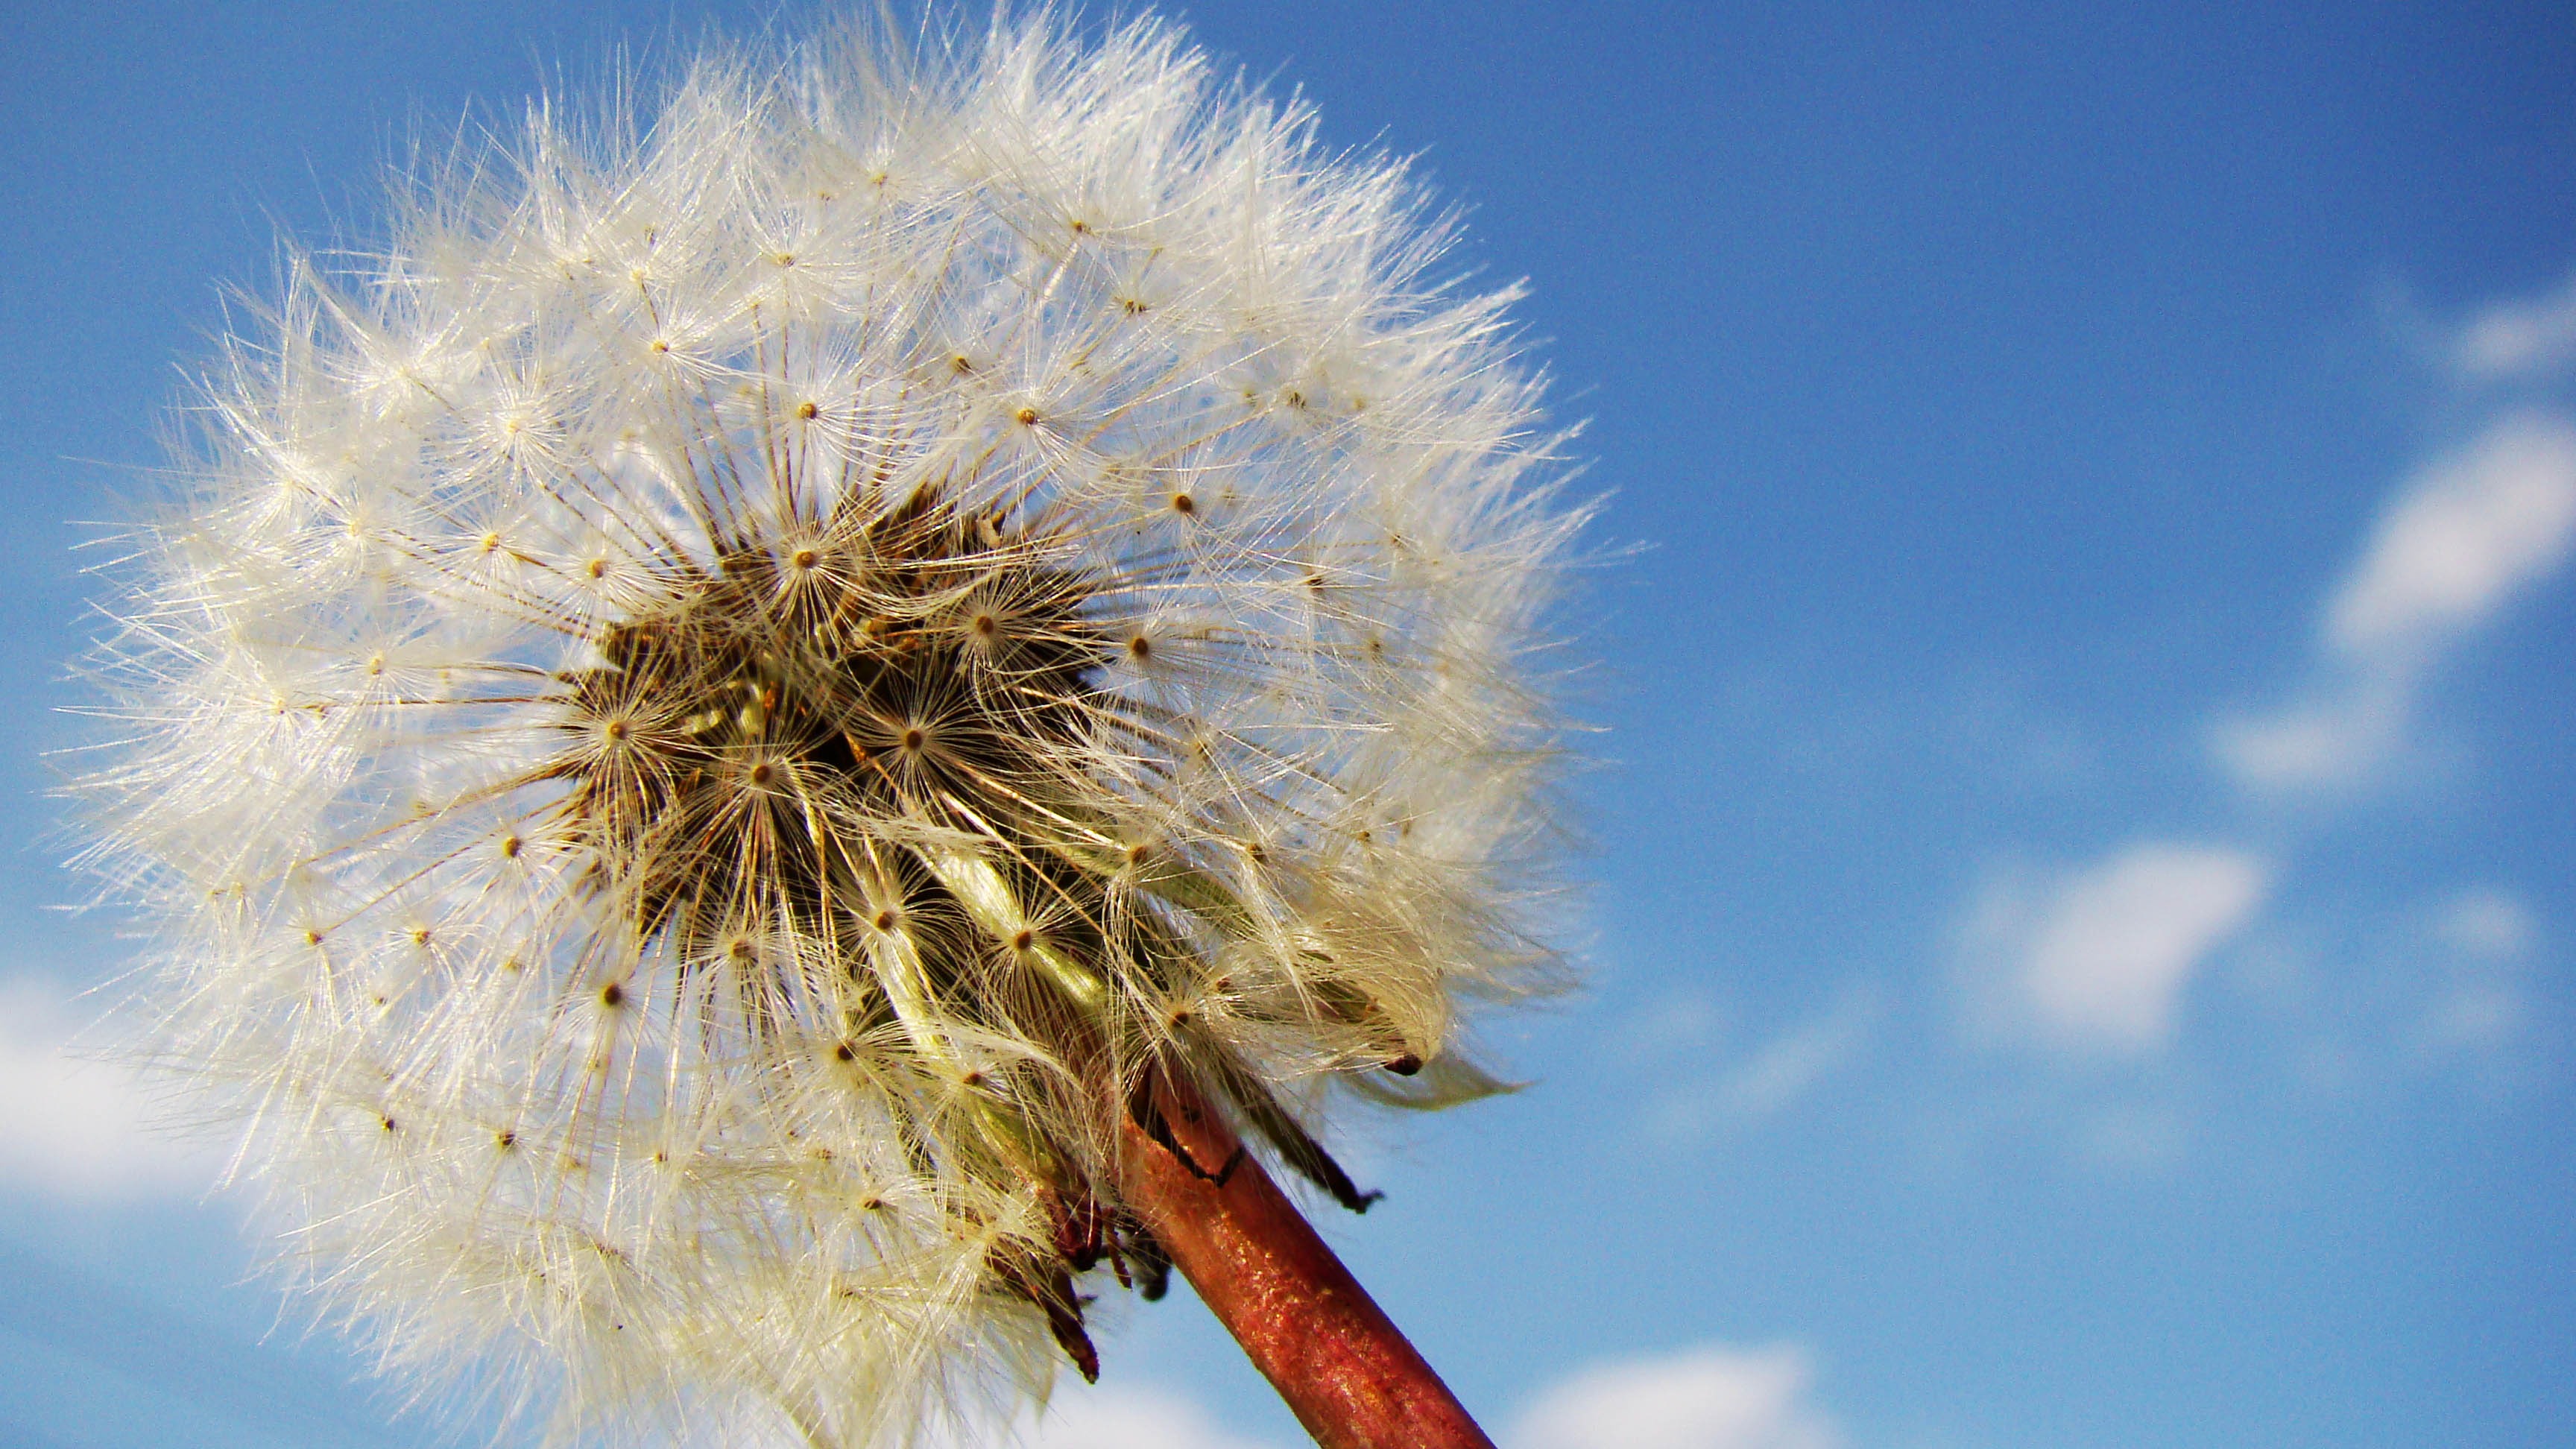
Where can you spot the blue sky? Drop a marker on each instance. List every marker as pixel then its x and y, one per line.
pixel 2081 942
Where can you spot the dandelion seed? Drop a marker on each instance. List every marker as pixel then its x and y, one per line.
pixel 823 1033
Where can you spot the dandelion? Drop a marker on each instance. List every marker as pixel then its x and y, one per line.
pixel 762 744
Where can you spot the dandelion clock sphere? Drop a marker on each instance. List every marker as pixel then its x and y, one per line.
pixel 762 744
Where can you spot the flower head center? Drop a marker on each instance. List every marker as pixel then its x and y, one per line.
pixel 775 722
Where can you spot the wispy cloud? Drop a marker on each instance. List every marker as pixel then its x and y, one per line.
pixel 1712 1086
pixel 1712 1397
pixel 2461 539
pixel 1131 1416
pixel 1709 1397
pixel 2467 534
pixel 2479 1005
pixel 2489 923
pixel 1789 1066
pixel 2332 737
pixel 2519 339
pixel 2097 963
pixel 75 1127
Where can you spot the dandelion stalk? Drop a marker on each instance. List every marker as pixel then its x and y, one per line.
pixel 1344 1369
pixel 745 734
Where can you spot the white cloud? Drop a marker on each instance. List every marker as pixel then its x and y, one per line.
pixel 2133 1136
pixel 75 1127
pixel 1712 1397
pixel 1790 1065
pixel 2466 535
pixel 2489 923
pixel 2334 738
pixel 1707 1398
pixel 1128 1416
pixel 1707 1088
pixel 2475 1019
pixel 2100 964
pixel 2480 1005
pixel 2519 339
pixel 2463 537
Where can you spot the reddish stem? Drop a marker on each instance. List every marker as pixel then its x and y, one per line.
pixel 1346 1371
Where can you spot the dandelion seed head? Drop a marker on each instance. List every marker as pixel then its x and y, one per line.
pixel 712 707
